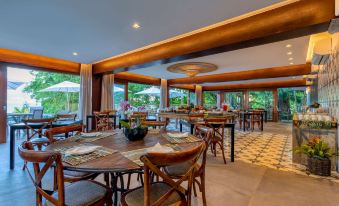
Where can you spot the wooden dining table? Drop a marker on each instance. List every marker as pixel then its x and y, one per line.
pixel 118 144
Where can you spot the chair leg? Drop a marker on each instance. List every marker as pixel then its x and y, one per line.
pixel 194 189
pixel 106 178
pixel 128 181
pixel 223 150
pixel 203 189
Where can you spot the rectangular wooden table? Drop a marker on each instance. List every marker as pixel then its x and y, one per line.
pixel 20 126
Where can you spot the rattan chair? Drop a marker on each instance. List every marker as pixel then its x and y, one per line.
pixel 103 121
pixel 83 192
pixel 168 191
pixel 256 118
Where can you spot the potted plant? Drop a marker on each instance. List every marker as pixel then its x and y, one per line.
pixel 135 130
pixel 318 154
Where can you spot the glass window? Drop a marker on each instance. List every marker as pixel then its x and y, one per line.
pixel 291 100
pixel 178 96
pixel 234 99
pixel 144 95
pixel 119 95
pixel 192 98
pixel 30 91
pixel 210 99
pixel 262 100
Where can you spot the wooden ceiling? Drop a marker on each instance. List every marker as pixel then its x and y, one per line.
pixel 291 17
pixel 287 71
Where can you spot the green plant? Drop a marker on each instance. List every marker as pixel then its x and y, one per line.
pixel 315 148
pixel 23 109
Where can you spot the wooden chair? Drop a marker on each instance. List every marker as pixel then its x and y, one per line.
pixel 103 121
pixel 168 191
pixel 66 116
pixel 256 118
pixel 177 171
pixel 154 124
pixel 218 134
pixel 242 119
pixel 83 192
pixel 69 176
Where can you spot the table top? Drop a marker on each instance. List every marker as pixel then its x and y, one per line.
pixel 55 123
pixel 115 162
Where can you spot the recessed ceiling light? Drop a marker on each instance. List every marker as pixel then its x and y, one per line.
pixel 289 45
pixel 294 77
pixel 75 53
pixel 289 53
pixel 290 59
pixel 291 63
pixel 136 26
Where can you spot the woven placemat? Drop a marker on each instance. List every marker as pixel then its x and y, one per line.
pixel 79 159
pixel 177 140
pixel 78 138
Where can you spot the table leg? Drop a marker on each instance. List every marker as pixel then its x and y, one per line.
pixel 115 122
pixel 114 182
pixel 243 121
pixel 87 123
pixel 11 148
pixel 265 116
pixel 180 127
pixel 192 128
pixel 262 122
pixel 232 144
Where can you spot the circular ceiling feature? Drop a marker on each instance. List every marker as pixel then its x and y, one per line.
pixel 192 69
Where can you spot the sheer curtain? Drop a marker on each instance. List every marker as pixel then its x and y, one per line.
pixel 163 93
pixel 107 91
pixel 85 103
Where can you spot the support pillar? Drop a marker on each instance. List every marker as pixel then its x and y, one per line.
pixel 246 100
pixel 164 100
pixel 220 99
pixel 198 95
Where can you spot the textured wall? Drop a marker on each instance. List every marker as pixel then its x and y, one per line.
pixel 328 82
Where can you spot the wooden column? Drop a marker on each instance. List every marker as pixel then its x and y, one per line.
pixel 164 94
pixel 3 102
pixel 96 92
pixel 275 116
pixel 220 99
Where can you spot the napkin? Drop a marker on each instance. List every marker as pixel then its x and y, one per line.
pixel 178 135
pixel 81 150
pixel 92 134
pixel 158 148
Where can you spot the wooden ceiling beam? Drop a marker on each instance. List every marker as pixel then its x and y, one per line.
pixel 294 16
pixel 274 72
pixel 33 60
pixel 137 78
pixel 190 87
pixel 257 85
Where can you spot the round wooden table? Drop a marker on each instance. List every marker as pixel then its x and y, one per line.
pixel 115 164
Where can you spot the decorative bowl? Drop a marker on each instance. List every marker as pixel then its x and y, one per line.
pixel 136 133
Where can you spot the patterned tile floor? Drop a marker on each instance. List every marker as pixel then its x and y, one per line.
pixel 271 148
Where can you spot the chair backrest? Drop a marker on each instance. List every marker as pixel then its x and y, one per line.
pixel 142 116
pixel 45 123
pixel 217 124
pixel 50 133
pixel 37 113
pixel 153 161
pixel 102 121
pixel 65 116
pixel 110 111
pixel 42 161
pixel 204 133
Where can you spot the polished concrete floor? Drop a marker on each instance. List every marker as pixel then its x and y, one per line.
pixel 236 183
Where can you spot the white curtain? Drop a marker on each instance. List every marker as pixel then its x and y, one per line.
pixel 107 91
pixel 163 94
pixel 85 102
pixel 198 95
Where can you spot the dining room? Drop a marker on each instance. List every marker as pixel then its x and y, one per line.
pixel 144 103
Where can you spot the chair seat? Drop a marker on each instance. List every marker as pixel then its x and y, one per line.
pixel 75 174
pixel 39 140
pixel 82 193
pixel 179 169
pixel 136 197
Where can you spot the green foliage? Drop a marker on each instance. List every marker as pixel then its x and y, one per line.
pixel 136 123
pixel 210 99
pixel 125 124
pixel 290 101
pixel 141 100
pixel 260 99
pixel 52 101
pixel 315 148
pixel 23 109
pixel 234 99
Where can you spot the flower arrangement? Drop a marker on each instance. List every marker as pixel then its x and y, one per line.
pixel 125 106
pixel 141 108
pixel 315 147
